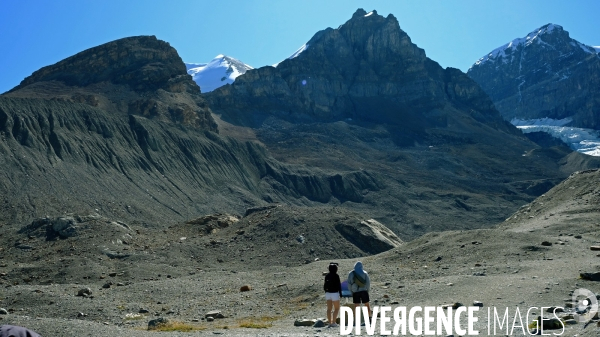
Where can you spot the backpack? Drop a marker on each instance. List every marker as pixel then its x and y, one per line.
pixel 359 280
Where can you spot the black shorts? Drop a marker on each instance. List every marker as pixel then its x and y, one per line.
pixel 360 296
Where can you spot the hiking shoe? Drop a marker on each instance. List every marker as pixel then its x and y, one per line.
pixel 333 325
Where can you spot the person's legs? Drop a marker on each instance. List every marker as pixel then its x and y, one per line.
pixel 336 311
pixel 329 306
pixel 356 301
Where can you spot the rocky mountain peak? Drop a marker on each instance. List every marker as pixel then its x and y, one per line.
pixel 367 69
pixel 138 75
pixel 143 62
pixel 218 72
pixel 527 78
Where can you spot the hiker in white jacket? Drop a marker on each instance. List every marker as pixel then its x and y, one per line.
pixel 359 283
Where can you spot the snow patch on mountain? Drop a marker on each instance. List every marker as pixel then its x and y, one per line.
pixel 503 52
pixel 582 140
pixel 216 73
pixel 533 37
pixel 295 54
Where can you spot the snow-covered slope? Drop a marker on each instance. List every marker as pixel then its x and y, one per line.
pixel 216 73
pixel 579 139
pixel 295 54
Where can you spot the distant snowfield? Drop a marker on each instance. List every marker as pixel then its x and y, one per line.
pixel 579 139
pixel 220 71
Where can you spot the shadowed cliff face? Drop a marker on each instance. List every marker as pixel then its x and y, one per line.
pixel 121 129
pixel 367 69
pixel 550 75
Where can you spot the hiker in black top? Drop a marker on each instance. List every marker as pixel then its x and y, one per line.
pixel 333 293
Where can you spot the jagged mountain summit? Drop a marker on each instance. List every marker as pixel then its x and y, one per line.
pixel 368 63
pixel 218 72
pixel 364 97
pixel 546 74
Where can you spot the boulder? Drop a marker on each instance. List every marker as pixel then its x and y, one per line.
pixel 157 323
pixel 369 236
pixel 214 314
pixel 590 276
pixel 305 322
pixel 319 324
pixel 84 292
pixel 65 227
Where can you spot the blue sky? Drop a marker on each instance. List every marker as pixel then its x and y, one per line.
pixel 454 33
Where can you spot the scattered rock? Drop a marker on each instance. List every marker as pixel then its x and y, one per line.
pixel 258 209
pixel 113 274
pixel 120 284
pixel 570 321
pixel 157 323
pixel 546 243
pixel 245 288
pixel 319 324
pixel 577 236
pixel 84 292
pixel 439 258
pixel 115 255
pixel 214 314
pixel 210 319
pixel 3 311
pixel 550 324
pixel 143 311
pixel 240 232
pixel 590 276
pixel 479 273
pixel 477 304
pixel 300 239
pixel 597 248
pixel 81 314
pixel 555 309
pixel 305 322
pixel 107 285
